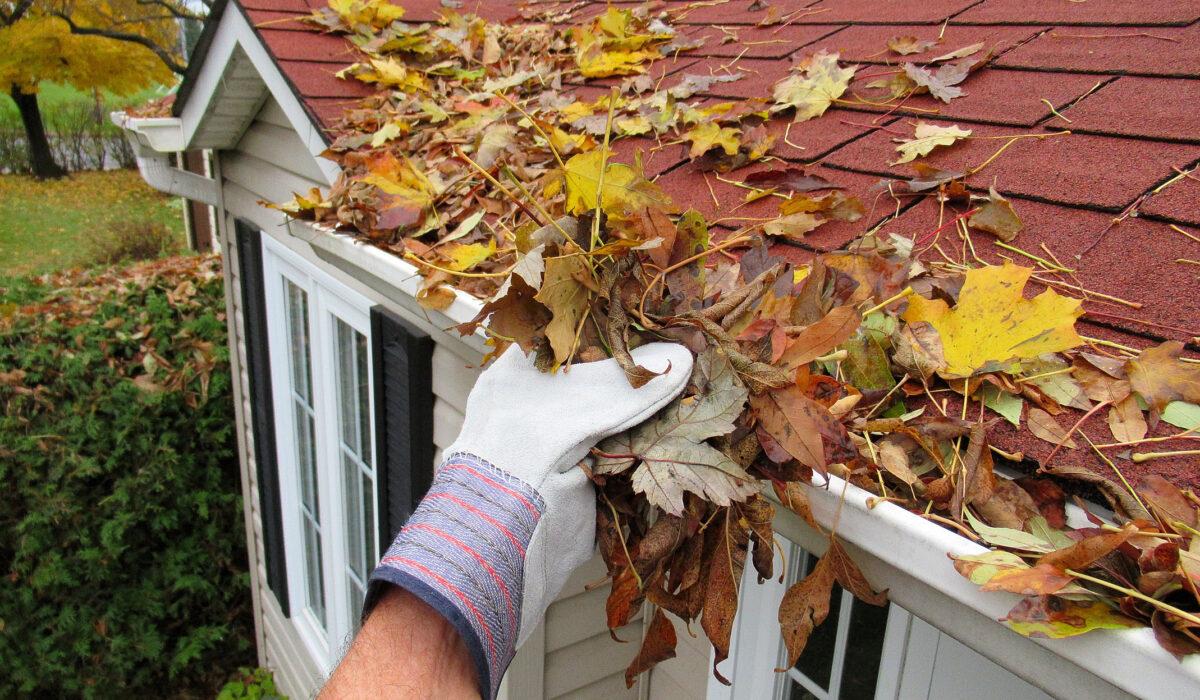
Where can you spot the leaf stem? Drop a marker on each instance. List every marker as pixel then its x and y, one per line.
pixel 621 537
pixel 895 297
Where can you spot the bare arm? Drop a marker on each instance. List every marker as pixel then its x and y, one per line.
pixel 405 650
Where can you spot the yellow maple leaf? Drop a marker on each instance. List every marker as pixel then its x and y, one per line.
pixel 464 256
pixel 624 187
pixel 993 324
pixel 388 72
pixel 927 137
pixel 711 135
pixel 812 92
pixel 377 13
pixel 567 299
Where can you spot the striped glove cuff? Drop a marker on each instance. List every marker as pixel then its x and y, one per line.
pixel 463 553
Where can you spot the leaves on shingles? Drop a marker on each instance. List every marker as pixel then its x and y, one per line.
pixel 997 217
pixel 1043 426
pixel 658 645
pixel 942 83
pixel 927 137
pixel 671 449
pixel 709 135
pixel 993 324
pixel 820 338
pixel 617 43
pixel 788 179
pixel 908 45
pixel 624 187
pixel 1160 377
pixel 814 89
pixel 806 604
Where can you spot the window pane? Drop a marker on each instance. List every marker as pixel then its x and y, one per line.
pixel 363 382
pixel 347 395
pixel 799 692
pixel 297 314
pixel 864 649
pixel 306 451
pixel 817 660
pixel 354 516
pixel 368 499
pixel 315 590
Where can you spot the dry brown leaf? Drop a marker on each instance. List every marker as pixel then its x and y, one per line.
pixel 1043 425
pixel 657 646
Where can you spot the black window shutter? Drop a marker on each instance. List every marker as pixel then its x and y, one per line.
pixel 262 412
pixel 402 363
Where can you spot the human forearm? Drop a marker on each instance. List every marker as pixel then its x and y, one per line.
pixel 405 650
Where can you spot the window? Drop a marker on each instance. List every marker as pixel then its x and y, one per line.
pixel 855 654
pixel 319 337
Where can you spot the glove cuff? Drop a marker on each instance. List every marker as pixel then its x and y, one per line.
pixel 463 553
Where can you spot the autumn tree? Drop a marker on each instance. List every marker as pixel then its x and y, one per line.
pixel 117 45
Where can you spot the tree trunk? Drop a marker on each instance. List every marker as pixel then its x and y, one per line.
pixel 41 159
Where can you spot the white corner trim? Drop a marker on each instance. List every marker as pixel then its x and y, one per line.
pixel 235 32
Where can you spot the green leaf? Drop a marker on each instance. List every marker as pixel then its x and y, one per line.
pixel 1052 617
pixel 1008 537
pixel 980 568
pixel 1003 403
pixel 1182 414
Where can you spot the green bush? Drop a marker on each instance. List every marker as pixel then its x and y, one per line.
pixel 251 684
pixel 123 241
pixel 121 534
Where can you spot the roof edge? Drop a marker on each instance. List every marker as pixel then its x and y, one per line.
pixel 199 53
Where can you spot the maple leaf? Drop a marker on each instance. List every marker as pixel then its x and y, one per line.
pixel 993 325
pixel 815 90
pixel 567 298
pixel 907 45
pixel 997 217
pixel 927 137
pixel 942 84
pixel 711 135
pixel 624 187
pixel 387 72
pixel 672 449
pixel 1160 377
pixel 464 256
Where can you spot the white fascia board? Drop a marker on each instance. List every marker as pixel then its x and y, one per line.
pixel 159 134
pixel 234 32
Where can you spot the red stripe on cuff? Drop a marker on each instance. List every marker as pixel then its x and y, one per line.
pixel 499 525
pixel 537 514
pixel 469 550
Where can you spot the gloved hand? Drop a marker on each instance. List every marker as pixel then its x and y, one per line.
pixel 509 515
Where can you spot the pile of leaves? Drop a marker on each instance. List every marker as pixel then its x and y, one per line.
pixel 873 365
pixel 121 538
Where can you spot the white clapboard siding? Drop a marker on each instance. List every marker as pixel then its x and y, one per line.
pixel 684 677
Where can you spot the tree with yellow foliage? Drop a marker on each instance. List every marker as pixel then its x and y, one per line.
pixel 117 45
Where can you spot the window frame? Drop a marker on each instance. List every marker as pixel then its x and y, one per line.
pixel 756 646
pixel 328 300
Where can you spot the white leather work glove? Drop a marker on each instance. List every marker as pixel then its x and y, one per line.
pixel 509 515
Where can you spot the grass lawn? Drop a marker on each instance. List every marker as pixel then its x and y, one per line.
pixel 47 226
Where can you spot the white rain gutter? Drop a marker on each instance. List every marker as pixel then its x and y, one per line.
pixel 154 141
pixel 896 549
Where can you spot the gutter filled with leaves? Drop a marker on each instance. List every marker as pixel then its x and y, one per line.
pixel 874 364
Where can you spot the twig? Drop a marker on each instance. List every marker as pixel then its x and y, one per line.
pixel 1179 230
pixel 1152 324
pixel 1055 111
pixel 1011 141
pixel 1166 438
pixel 1113 36
pixel 1081 290
pixel 502 188
pixel 1035 258
pixel 1166 607
pixel 1139 457
pixel 1067 436
pixel 737 240
pixel 895 297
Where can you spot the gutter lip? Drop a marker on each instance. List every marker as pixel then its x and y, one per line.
pixel 1129 659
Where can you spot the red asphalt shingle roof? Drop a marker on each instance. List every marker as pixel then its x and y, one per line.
pixel 1124 76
